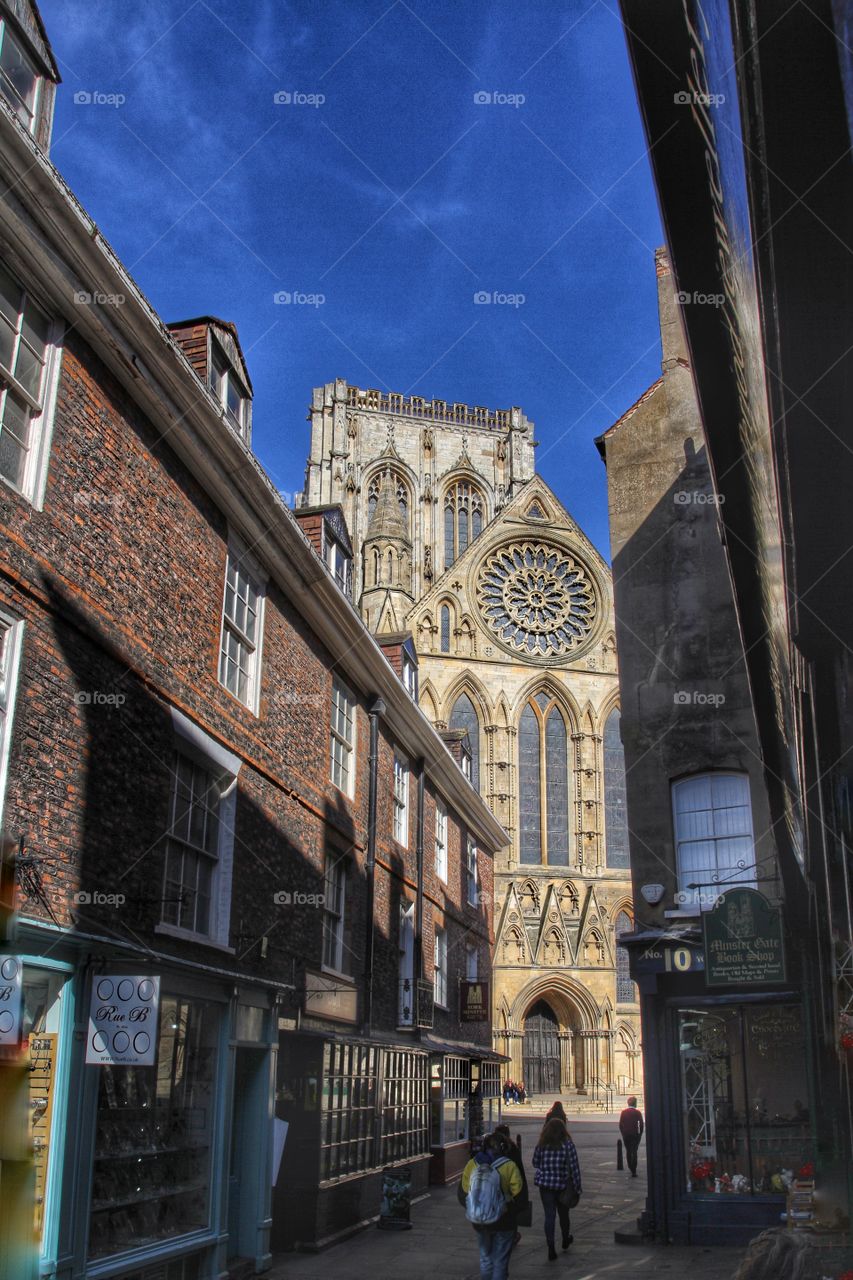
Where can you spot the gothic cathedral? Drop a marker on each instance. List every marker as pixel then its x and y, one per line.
pixel 458 541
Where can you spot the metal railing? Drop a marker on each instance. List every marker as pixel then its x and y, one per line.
pixel 602 1093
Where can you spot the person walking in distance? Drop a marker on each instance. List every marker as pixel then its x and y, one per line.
pixel 558 1177
pixel 491 1190
pixel 631 1127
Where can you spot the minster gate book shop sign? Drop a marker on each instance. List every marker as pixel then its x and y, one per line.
pixel 743 941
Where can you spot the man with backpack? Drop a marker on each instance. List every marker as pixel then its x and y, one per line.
pixel 491 1191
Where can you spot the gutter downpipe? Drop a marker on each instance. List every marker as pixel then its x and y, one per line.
pixel 376 710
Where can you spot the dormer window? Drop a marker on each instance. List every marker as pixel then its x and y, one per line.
pixel 409 672
pixel 229 390
pixel 19 80
pixel 339 563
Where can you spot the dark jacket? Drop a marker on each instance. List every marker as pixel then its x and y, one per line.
pixel 631 1123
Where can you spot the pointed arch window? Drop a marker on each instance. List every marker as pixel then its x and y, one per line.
pixel 463 519
pixel 625 993
pixel 464 716
pixel 543 783
pixel 615 798
pixel 444 622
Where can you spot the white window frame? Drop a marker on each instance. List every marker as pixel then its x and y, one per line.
pixel 409 670
pixel 42 407
pixel 342 749
pixel 439 966
pixel 247 572
pixel 222 377
pixel 730 875
pixel 441 840
pixel 472 879
pixel 334 912
pixel 195 745
pixel 401 799
pixel 8 33
pixel 472 961
pixel 10 663
pixel 338 563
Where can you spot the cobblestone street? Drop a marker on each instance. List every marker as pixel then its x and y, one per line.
pixel 442 1246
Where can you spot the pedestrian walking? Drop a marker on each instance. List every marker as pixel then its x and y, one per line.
pixel 523 1209
pixel 558 1177
pixel 631 1127
pixel 557 1112
pixel 491 1190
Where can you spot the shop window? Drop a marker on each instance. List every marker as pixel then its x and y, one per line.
pixel 457 1087
pixel 490 1084
pixel 154 1134
pixel 405 1105
pixel 348 1123
pixel 615 794
pixel 42 994
pixel 743 1075
pixel 713 836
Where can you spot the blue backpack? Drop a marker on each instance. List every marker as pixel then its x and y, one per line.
pixel 485 1203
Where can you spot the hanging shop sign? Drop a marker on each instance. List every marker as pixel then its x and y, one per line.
pixel 743 941
pixel 123 1021
pixel 11 978
pixel 473 1001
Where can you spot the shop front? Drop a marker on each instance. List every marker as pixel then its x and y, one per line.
pixel 151 1127
pixel 728 1098
pixel 465 1104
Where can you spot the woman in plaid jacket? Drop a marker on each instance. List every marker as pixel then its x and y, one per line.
pixel 557 1170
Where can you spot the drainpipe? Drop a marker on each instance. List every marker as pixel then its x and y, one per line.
pixel 375 711
pixel 418 948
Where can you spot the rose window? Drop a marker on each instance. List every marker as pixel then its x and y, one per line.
pixel 537 599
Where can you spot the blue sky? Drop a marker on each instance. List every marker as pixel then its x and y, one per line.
pixel 397 199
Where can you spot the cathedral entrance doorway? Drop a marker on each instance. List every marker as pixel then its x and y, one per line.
pixel 541 1050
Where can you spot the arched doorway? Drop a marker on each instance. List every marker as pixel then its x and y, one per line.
pixel 541 1050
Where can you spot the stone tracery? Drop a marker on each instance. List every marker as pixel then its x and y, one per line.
pixel 537 599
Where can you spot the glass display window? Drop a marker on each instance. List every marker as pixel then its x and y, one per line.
pixel 743 1074
pixel 152 1160
pixel 42 1010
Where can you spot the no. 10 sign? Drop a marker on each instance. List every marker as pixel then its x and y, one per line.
pixel 123 1021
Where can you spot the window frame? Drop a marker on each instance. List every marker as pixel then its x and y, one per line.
pixel 542 719
pixel 700 900
pixel 196 746
pixel 40 408
pixel 456 503
pixel 440 966
pixel 336 737
pixel 472 872
pixel 441 829
pixel 246 566
pixel 335 893
pixel 409 674
pixel 10 666
pixel 6 31
pixel 400 825
pixel 221 377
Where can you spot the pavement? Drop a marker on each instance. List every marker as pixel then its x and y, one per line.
pixel 443 1246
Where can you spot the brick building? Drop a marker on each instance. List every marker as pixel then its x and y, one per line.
pixel 230 821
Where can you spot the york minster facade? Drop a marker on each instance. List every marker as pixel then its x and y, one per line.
pixel 459 542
